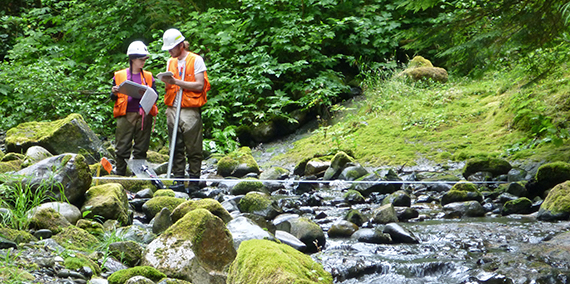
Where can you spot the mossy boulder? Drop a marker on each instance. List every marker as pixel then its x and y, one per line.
pixel 78 261
pixel 521 205
pixel 547 176
pixel 356 217
pixel 68 135
pixel 48 218
pixel 17 236
pixel 556 206
pixel 248 185
pixel 75 238
pixel 274 173
pixel 209 204
pixel 10 166
pixel 338 163
pixel 197 248
pixel 155 205
pixel 263 261
pixel 127 252
pixel 436 74
pixel 94 228
pixel 398 198
pixel 462 191
pixel 108 201
pixel 353 197
pixel 259 204
pixel 156 157
pixel 419 61
pixel 121 276
pixel 164 192
pixel 238 164
pixel 65 174
pixel 495 166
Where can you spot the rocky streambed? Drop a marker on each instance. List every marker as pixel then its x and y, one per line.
pixel 329 219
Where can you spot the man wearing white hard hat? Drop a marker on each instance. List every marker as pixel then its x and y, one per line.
pixel 185 95
pixel 133 125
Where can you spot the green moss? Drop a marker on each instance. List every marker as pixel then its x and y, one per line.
pixel 79 261
pixel 353 194
pixel 94 228
pixel 227 164
pixel 10 166
pixel 75 238
pixel 30 132
pixel 558 200
pixel 199 226
pixel 248 185
pixel 155 204
pixel 17 236
pixel 419 61
pixel 556 172
pixel 254 201
pixel 209 204
pixel 15 275
pixel 465 186
pixel 486 164
pixel 157 157
pixel 263 261
pixel 121 276
pixel 48 218
pixel 164 192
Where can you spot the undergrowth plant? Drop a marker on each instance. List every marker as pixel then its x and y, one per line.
pixel 20 198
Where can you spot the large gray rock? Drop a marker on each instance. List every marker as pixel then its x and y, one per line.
pixel 243 229
pixel 66 173
pixel 308 232
pixel 197 248
pixel 385 214
pixel 68 135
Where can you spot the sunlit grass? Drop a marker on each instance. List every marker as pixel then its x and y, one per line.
pixel 400 122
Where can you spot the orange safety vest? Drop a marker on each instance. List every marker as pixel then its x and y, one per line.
pixel 120 107
pixel 189 98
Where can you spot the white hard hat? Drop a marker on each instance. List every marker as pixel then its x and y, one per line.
pixel 137 48
pixel 171 38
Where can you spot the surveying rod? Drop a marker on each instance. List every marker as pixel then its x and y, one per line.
pixel 175 128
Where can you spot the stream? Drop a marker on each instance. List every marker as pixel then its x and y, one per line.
pixel 490 249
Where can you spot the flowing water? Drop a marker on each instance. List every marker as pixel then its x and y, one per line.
pixel 491 249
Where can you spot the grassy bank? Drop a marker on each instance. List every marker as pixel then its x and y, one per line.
pixel 506 114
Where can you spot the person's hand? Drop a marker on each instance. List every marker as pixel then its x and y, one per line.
pixel 168 80
pixel 115 89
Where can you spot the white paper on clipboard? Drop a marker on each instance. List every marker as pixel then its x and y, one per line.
pixel 132 89
pixel 164 74
pixel 148 100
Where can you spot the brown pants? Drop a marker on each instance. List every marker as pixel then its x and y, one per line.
pixel 188 143
pixel 129 137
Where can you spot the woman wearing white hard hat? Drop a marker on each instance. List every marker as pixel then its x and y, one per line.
pixel 185 90
pixel 132 135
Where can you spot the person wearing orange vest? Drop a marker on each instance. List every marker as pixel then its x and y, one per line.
pixel 133 125
pixel 189 74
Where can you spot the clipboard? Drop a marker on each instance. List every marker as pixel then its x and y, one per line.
pixel 132 89
pixel 148 100
pixel 164 74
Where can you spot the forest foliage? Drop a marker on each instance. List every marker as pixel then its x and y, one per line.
pixel 265 59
